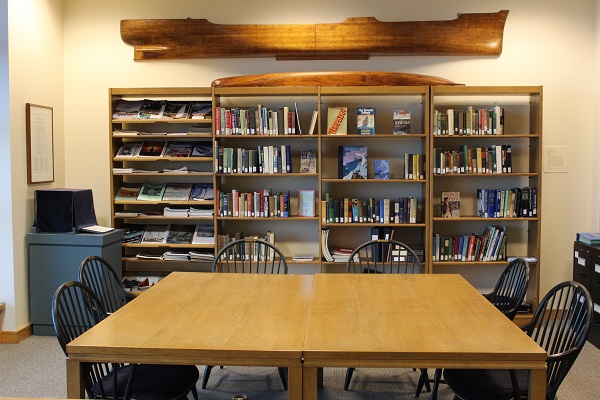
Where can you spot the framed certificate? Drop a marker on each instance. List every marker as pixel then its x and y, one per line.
pixel 40 143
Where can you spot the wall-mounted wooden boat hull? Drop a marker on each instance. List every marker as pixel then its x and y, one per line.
pixel 333 78
pixel 355 38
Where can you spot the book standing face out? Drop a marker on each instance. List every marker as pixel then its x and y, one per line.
pixel 308 161
pixel 352 162
pixel 381 169
pixel 450 204
pixel 337 120
pixel 306 203
pixel 365 121
pixel 401 119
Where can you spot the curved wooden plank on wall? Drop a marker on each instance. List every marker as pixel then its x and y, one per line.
pixel 354 38
pixel 333 78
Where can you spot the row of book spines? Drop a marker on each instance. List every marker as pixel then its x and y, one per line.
pixel 224 239
pixel 262 121
pixel 263 160
pixel 470 248
pixel 494 159
pixel 386 211
pixel 507 203
pixel 469 122
pixel 414 166
pixel 260 204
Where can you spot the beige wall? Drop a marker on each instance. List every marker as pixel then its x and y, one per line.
pixel 546 42
pixel 35 75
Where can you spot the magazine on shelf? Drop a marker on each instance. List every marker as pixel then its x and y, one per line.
pixel 178 149
pixel 127 109
pixel 201 110
pixel 132 233
pixel 202 150
pixel 152 109
pixel 180 234
pixel 176 191
pixel 131 149
pixel 177 109
pixel 128 191
pixel 152 191
pixel 155 234
pixel 203 191
pixel 152 149
pixel 204 234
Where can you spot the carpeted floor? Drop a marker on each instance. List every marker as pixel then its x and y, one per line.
pixel 36 368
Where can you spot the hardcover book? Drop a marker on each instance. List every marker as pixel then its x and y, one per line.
pixel 152 149
pixel 352 162
pixel 128 191
pixel 365 121
pixel 308 161
pixel 152 191
pixel 131 149
pixel 178 149
pixel 401 119
pixel 176 191
pixel 155 234
pixel 177 109
pixel 381 169
pixel 450 204
pixel 337 120
pixel 201 110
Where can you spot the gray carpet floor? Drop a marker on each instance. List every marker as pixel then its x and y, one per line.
pixel 36 368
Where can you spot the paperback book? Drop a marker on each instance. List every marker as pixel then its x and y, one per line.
pixel 365 121
pixel 352 162
pixel 337 120
pixel 381 169
pixel 450 204
pixel 401 119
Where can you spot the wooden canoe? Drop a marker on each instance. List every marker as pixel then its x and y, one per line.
pixel 354 38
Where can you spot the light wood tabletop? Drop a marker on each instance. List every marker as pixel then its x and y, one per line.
pixel 422 321
pixel 204 318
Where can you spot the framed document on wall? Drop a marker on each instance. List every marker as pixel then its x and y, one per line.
pixel 40 143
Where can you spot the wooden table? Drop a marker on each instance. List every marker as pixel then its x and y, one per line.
pixel 406 321
pixel 204 318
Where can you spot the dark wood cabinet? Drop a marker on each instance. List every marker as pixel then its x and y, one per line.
pixel 586 270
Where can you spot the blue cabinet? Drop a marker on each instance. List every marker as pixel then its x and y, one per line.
pixel 54 258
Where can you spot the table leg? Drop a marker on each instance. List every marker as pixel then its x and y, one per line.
pixel 537 384
pixel 75 385
pixel 295 376
pixel 309 383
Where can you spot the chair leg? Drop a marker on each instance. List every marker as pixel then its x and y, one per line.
pixel 282 377
pixel 437 378
pixel 194 392
pixel 206 375
pixel 349 373
pixel 423 381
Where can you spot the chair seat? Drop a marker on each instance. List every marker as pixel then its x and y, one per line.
pixel 485 384
pixel 152 382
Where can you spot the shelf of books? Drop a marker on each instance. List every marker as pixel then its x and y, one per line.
pixel 163 179
pixel 266 157
pixel 485 203
pixel 373 182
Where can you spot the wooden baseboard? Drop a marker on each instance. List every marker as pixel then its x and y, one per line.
pixel 16 337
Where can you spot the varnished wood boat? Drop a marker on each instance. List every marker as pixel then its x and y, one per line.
pixel 354 38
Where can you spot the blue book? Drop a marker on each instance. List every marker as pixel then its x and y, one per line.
pixel 352 162
pixel 381 169
pixel 589 238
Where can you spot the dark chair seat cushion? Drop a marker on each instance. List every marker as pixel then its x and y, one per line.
pixel 484 384
pixel 160 382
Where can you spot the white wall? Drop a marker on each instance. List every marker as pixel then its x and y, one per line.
pixel 546 42
pixel 35 75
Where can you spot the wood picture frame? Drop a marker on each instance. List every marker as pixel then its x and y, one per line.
pixel 40 143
